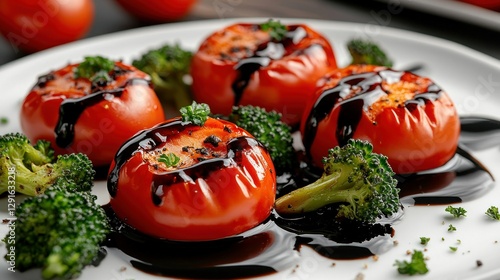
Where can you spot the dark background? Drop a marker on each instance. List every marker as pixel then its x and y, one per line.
pixel 109 17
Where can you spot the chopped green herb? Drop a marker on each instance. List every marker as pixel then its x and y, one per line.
pixel 94 68
pixel 424 240
pixel 4 120
pixel 454 249
pixel 493 213
pixel 456 211
pixel 417 264
pixel 451 228
pixel 169 159
pixel 195 113
pixel 275 29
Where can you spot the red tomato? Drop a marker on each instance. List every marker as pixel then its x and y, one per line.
pixel 34 25
pixel 406 117
pixel 95 119
pixel 242 65
pixel 158 10
pixel 222 184
pixel 488 4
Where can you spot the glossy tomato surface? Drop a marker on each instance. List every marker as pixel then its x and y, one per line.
pixel 34 25
pixel 242 65
pixel 158 10
pixel 223 184
pixel 96 120
pixel 406 117
pixel 488 4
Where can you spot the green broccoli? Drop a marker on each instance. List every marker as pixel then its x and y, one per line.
pixel 32 169
pixel 268 128
pixel 168 67
pixel 360 181
pixel 59 231
pixel 367 52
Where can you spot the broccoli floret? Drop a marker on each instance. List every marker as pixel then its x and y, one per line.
pixel 168 67
pixel 360 181
pixel 59 231
pixel 32 169
pixel 367 52
pixel 268 128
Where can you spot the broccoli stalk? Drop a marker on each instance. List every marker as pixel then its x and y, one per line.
pixel 168 67
pixel 360 181
pixel 59 231
pixel 33 168
pixel 367 52
pixel 268 128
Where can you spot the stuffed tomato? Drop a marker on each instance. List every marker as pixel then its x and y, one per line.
pixel 91 107
pixel 406 117
pixel 268 65
pixel 186 182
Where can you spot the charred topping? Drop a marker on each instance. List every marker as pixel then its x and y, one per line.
pixel 213 140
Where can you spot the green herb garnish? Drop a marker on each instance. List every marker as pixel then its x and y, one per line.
pixel 454 249
pixel 417 264
pixel 170 159
pixel 493 213
pixel 275 29
pixel 456 211
pixel 95 68
pixel 451 228
pixel 424 240
pixel 4 120
pixel 195 113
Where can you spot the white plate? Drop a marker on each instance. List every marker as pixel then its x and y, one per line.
pixel 456 10
pixel 471 78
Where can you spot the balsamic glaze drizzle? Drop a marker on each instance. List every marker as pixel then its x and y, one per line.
pixel 351 109
pixel 71 109
pixel 148 140
pixel 262 57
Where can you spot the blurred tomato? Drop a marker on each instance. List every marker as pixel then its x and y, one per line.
pixel 488 4
pixel 34 25
pixel 157 10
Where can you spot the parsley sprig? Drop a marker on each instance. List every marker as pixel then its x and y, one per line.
pixel 457 212
pixel 493 213
pixel 170 159
pixel 276 29
pixel 195 113
pixel 95 68
pixel 417 264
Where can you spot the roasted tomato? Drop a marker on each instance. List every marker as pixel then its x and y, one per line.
pixel 93 115
pixel 406 117
pixel 185 182
pixel 250 64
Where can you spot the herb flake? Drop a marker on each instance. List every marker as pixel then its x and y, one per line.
pixel 417 264
pixel 170 159
pixel 276 30
pixel 457 212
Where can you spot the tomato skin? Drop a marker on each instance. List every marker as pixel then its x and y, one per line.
pixel 414 138
pixel 223 202
pixel 34 25
pixel 487 4
pixel 102 127
pixel 158 10
pixel 284 85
